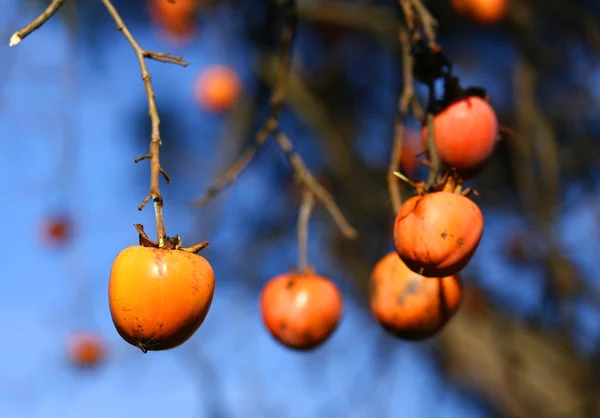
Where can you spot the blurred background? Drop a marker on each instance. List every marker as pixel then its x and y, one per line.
pixel 73 116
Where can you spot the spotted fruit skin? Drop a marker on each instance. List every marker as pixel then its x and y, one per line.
pixel 437 234
pixel 408 305
pixel 159 298
pixel 301 311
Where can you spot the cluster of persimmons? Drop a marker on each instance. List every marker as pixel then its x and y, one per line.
pixel 159 295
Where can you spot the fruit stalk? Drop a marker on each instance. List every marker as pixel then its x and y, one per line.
pixel 154 155
pixel 306 207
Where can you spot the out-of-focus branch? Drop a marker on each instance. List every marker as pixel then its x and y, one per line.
pixel 418 18
pixel 306 207
pixel 305 177
pixel 272 121
pixel 408 91
pixel 301 173
pixel 368 18
pixel 547 377
pixel 36 23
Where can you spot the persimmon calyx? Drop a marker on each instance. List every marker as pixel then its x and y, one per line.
pixel 453 183
pixel 170 243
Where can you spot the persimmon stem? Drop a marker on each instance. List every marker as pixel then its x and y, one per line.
pixel 155 142
pixel 403 107
pixel 306 207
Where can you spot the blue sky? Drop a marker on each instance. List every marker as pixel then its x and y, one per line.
pixel 55 102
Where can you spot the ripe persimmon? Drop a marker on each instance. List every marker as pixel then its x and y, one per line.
pixel 437 234
pixel 301 310
pixel 488 11
pixel 465 135
pixel 409 305
pixel 158 298
pixel 86 349
pixel 178 18
pixel 217 88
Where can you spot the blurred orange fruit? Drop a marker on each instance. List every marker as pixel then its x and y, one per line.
pixel 482 11
pixel 217 88
pixel 56 230
pixel 178 18
pixel 86 349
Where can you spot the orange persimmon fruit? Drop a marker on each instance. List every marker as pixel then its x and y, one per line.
pixel 466 133
pixel 158 298
pixel 217 88
pixel 86 349
pixel 177 18
pixel 301 310
pixel 437 234
pixel 408 305
pixel 488 11
pixel 485 12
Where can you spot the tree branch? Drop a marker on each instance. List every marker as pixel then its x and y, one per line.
pixel 408 91
pixel 305 177
pixel 306 207
pixel 36 23
pixel 272 121
pixel 155 142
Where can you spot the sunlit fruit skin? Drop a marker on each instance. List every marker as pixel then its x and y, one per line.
pixel 86 349
pixel 437 234
pixel 301 310
pixel 410 306
pixel 466 133
pixel 485 12
pixel 159 298
pixel 217 88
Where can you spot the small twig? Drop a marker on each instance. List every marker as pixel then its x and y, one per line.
pixel 238 166
pixel 403 106
pixel 409 15
pixel 306 207
pixel 276 103
pixel 155 143
pixel 36 23
pixel 415 10
pixel 427 21
pixel 304 176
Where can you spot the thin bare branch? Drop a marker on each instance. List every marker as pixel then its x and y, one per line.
pixel 155 142
pixel 272 121
pixel 306 207
pixel 428 22
pixel 403 106
pixel 36 23
pixel 305 177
